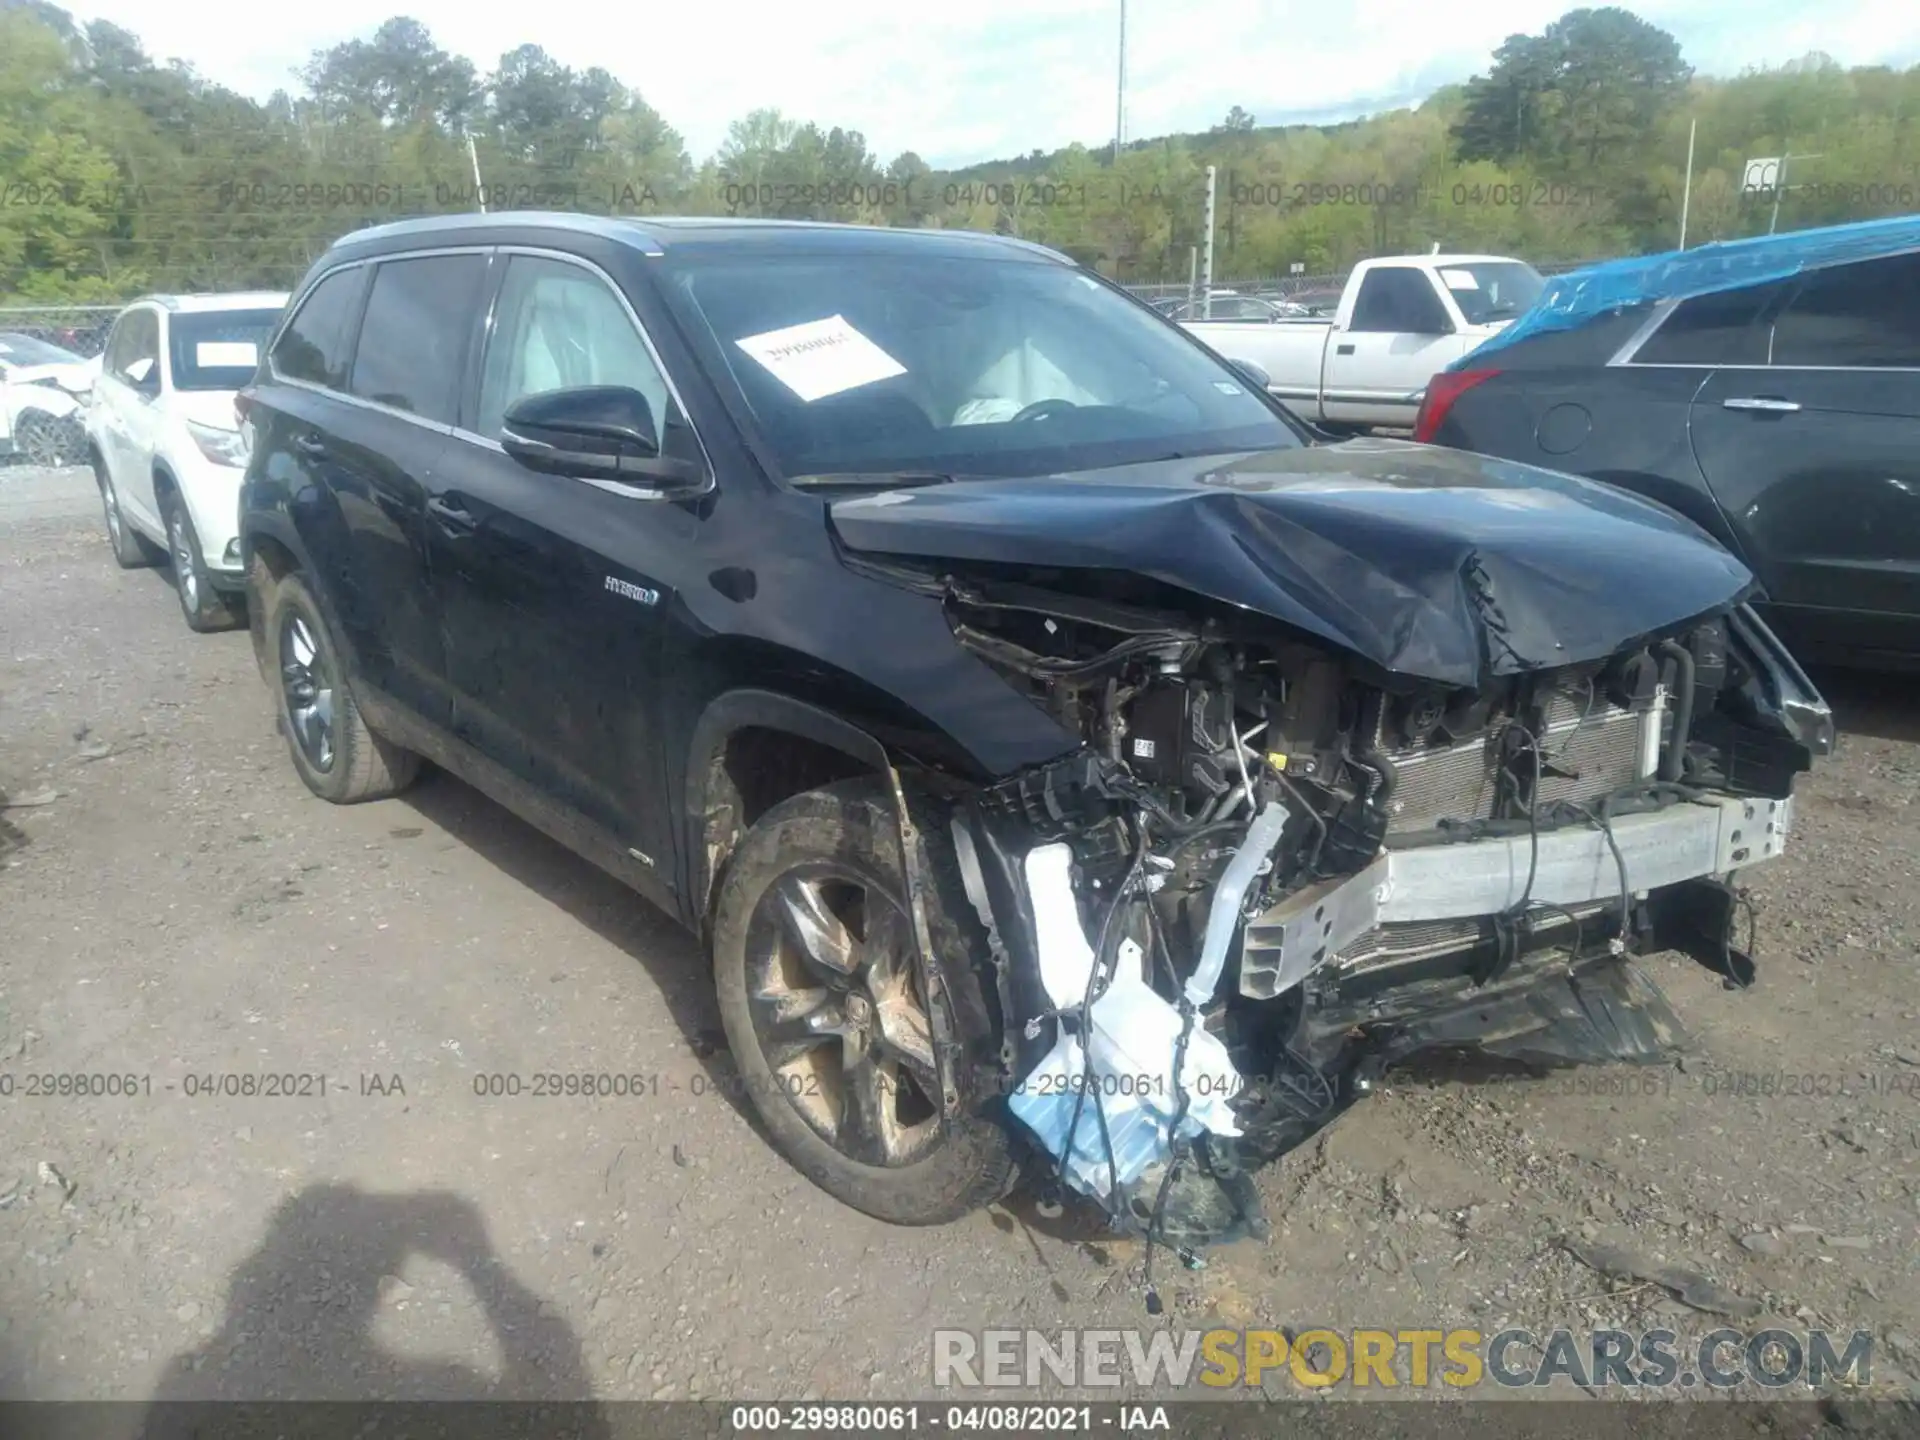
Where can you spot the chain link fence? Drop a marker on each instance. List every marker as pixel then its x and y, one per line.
pixel 81 329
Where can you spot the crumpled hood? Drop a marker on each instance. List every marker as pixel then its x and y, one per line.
pixel 1430 562
pixel 75 378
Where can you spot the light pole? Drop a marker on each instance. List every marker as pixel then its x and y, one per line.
pixel 1120 96
pixel 1686 195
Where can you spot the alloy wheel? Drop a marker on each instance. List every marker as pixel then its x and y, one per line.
pixel 110 503
pixel 308 685
pixel 41 441
pixel 185 573
pixel 839 1015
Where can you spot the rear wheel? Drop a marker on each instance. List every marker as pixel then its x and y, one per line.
pixel 132 550
pixel 337 756
pixel 827 1016
pixel 206 609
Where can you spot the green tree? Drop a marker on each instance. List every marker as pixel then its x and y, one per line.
pixel 1591 84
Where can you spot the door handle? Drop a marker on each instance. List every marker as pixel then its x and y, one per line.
pixel 1343 349
pixel 455 519
pixel 1766 404
pixel 311 445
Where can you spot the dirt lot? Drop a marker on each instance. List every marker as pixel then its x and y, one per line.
pixel 174 908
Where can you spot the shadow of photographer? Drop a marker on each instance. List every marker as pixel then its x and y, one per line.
pixel 301 1312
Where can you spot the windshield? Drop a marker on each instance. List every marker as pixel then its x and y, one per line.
pixel 956 365
pixel 218 349
pixel 1489 291
pixel 25 350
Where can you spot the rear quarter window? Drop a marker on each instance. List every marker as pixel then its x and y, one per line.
pixel 1593 343
pixel 315 345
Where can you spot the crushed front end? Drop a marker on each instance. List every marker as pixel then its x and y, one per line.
pixel 1274 869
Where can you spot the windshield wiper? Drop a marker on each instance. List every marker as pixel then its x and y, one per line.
pixel 871 480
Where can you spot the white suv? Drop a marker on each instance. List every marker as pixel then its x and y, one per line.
pixel 165 445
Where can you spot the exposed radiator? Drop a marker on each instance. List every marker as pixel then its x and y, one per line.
pixel 1597 745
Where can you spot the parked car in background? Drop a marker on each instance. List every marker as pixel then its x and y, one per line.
pixel 956 647
pixel 1316 302
pixel 1399 321
pixel 165 443
pixel 1227 305
pixel 1768 389
pixel 43 397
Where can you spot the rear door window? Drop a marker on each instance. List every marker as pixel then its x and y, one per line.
pixel 1864 316
pixel 413 341
pixel 315 345
pixel 1725 328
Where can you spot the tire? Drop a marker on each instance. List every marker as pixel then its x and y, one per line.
pixel 131 550
pixel 793 875
pixel 48 440
pixel 205 608
pixel 339 759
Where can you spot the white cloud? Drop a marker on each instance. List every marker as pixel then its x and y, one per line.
pixel 998 77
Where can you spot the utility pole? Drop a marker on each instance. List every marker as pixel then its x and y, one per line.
pixel 479 190
pixel 1206 261
pixel 1686 194
pixel 1120 97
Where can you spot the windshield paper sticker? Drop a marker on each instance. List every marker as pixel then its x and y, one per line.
pixel 821 358
pixel 1460 279
pixel 220 354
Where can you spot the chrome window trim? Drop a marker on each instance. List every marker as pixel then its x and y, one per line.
pixel 1790 369
pixel 1663 309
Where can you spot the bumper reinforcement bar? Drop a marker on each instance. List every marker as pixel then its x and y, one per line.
pixel 1457 881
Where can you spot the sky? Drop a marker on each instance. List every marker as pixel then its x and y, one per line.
pixel 989 79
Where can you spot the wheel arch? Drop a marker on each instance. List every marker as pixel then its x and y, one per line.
pixel 1690 499
pixel 270 540
pixel 751 749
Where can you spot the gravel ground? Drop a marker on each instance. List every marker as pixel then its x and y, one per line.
pixel 174 908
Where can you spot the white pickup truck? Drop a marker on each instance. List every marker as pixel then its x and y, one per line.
pixel 1400 320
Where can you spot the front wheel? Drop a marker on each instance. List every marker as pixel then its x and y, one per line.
pixel 827 1016
pixel 205 608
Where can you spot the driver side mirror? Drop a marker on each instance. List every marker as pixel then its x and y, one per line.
pixel 1252 373
pixel 594 432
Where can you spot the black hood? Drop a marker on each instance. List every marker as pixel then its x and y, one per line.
pixel 1433 563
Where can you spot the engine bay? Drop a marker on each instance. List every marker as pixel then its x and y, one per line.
pixel 1169 1028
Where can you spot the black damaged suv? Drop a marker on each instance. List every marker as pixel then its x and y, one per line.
pixel 1061 755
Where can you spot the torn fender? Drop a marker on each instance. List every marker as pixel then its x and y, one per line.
pixel 1427 562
